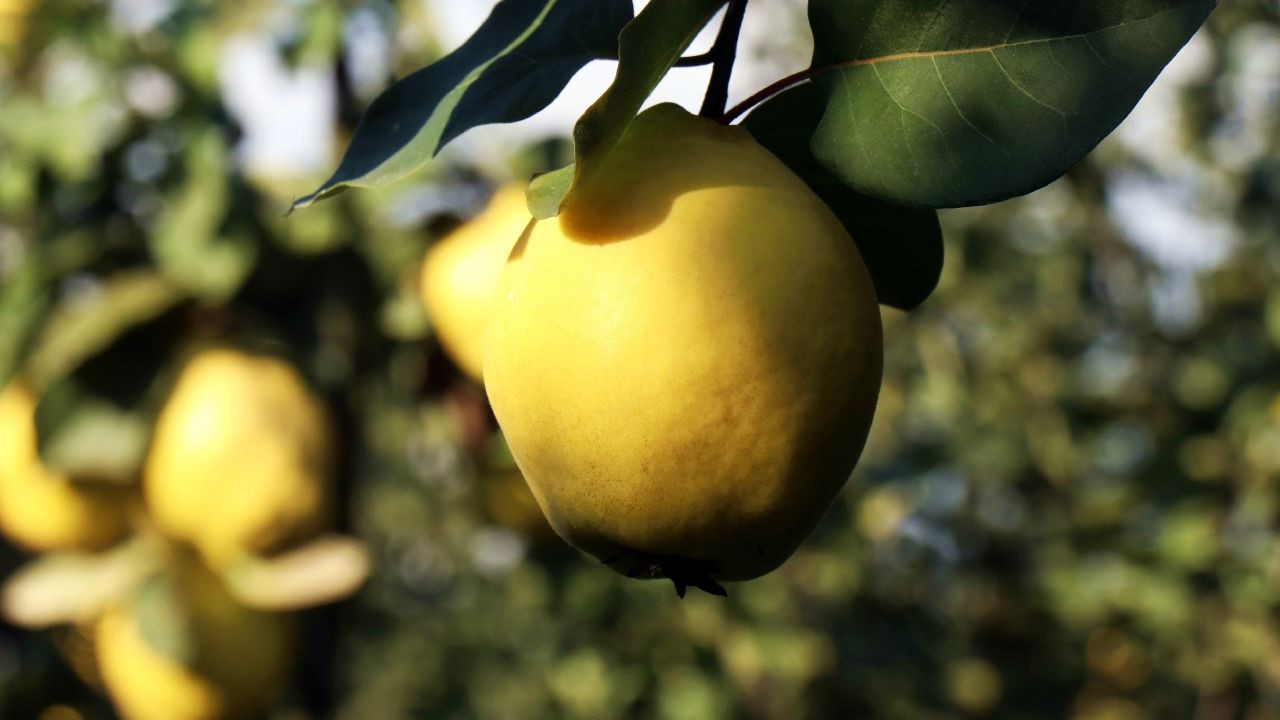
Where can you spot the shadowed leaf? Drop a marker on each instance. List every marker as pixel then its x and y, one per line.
pixel 902 247
pixel 944 103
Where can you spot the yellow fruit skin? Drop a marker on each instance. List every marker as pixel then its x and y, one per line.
pixel 242 660
pixel 240 459
pixel 686 361
pixel 43 510
pixel 13 20
pixel 460 274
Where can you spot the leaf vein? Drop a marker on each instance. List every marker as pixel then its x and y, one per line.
pixel 960 112
pixel 907 111
pixel 1023 89
pixel 932 54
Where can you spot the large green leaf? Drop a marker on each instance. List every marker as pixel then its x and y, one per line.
pixel 513 66
pixel 902 246
pixel 942 103
pixel 647 48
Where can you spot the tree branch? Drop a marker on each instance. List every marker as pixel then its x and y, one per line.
pixel 696 60
pixel 724 52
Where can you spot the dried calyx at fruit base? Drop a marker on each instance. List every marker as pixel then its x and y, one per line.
pixel 188 614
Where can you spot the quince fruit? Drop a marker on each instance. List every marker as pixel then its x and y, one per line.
pixel 240 459
pixel 686 361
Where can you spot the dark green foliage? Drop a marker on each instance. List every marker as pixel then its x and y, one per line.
pixel 901 246
pixel 936 103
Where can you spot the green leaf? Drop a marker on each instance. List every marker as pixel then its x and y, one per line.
pixel 322 571
pixel 902 247
pixel 187 242
pixel 547 191
pixel 513 66
pixel 647 48
pixel 88 437
pixel 943 103
pixel 72 587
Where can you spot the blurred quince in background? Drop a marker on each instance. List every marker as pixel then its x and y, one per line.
pixel 189 615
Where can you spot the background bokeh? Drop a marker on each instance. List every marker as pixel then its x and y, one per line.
pixel 1068 507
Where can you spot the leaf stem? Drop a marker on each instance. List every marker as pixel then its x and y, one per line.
pixel 767 92
pixel 696 60
pixel 723 52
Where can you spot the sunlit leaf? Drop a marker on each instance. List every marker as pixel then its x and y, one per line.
pixel 321 571
pixel 512 67
pixel 64 588
pixel 647 48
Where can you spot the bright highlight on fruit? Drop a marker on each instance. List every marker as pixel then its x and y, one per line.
pixel 686 361
pixel 43 510
pixel 460 274
pixel 241 457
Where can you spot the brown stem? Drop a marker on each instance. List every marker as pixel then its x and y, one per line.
pixel 725 51
pixel 767 92
pixel 705 58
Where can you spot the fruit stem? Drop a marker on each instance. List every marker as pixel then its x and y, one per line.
pixel 724 52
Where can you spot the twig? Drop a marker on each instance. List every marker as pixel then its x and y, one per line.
pixel 705 58
pixel 766 93
pixel 724 52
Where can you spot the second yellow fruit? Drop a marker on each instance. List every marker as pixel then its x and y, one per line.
pixel 460 274
pixel 240 459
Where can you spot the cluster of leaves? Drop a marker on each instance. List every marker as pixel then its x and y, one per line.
pixel 1067 506
pixel 906 105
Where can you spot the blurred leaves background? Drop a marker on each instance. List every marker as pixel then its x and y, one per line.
pixel 1068 507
